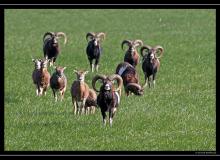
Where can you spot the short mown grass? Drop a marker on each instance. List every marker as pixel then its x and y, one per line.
pixel 179 114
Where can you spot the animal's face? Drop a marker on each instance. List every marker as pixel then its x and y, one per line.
pixel 132 49
pixel 37 63
pixel 140 92
pixel 54 40
pixel 95 41
pixel 44 63
pixel 81 75
pixel 60 71
pixel 150 56
pixel 107 85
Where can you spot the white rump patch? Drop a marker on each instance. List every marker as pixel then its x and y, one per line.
pixel 121 70
pixel 118 97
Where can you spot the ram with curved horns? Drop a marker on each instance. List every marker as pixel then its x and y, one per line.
pixel 151 63
pixel 51 47
pixel 108 99
pixel 131 55
pixel 94 49
pixel 130 79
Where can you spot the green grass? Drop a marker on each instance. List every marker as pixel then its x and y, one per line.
pixel 178 115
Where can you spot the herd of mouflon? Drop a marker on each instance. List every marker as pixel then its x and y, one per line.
pixel 107 97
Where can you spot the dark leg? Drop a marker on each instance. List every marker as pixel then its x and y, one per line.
pixel 54 94
pixel 127 92
pixel 91 65
pixel 97 64
pixel 145 80
pixel 74 105
pixel 45 91
pixel 111 115
pixel 104 117
pixel 154 77
pixel 148 79
pixel 54 60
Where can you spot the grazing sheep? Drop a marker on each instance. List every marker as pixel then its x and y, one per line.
pixel 94 49
pixel 58 82
pixel 130 78
pixel 131 55
pixel 151 63
pixel 51 46
pixel 108 98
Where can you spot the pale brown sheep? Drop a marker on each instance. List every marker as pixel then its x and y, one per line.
pixel 58 82
pixel 81 93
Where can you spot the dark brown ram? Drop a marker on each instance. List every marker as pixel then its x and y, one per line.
pixel 130 78
pixel 150 62
pixel 131 55
pixel 51 47
pixel 94 49
pixel 108 99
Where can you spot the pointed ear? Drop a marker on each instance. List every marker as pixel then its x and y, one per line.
pixel 33 60
pixel 75 71
pixel 86 72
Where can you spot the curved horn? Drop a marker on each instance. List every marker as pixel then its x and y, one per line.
pixel 101 35
pixel 160 49
pixel 119 81
pixel 48 34
pixel 145 47
pixel 138 90
pixel 62 34
pixel 133 84
pixel 97 77
pixel 128 42
pixel 138 43
pixel 90 35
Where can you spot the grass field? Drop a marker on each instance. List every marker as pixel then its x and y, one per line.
pixel 178 115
